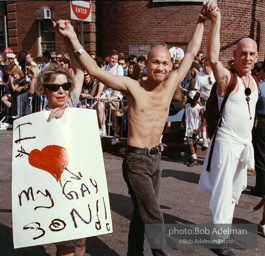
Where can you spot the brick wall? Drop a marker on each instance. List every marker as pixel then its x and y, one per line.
pixel 146 23
pixel 241 19
pixel 23 26
pixel 130 25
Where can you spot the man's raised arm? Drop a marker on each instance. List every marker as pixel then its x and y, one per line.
pixel 194 44
pixel 66 30
pixel 221 74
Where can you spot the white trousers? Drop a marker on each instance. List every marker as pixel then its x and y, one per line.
pixel 228 175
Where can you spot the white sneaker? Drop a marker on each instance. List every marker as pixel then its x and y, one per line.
pixel 200 140
pixel 104 133
pixel 114 141
pixel 205 143
pixel 4 126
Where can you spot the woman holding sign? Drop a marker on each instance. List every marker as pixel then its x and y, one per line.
pixel 62 90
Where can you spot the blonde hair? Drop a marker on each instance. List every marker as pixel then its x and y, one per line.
pixel 34 70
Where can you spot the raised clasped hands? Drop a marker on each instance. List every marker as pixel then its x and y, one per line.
pixel 210 10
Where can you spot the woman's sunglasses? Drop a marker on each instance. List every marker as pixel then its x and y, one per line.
pixel 56 87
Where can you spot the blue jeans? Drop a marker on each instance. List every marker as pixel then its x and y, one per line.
pixel 142 174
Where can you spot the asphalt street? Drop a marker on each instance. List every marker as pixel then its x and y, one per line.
pixel 179 200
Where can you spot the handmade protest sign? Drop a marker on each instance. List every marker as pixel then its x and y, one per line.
pixel 59 187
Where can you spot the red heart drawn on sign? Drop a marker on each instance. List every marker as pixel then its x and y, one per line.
pixel 52 159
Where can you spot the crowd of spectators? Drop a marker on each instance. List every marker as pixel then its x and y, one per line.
pixel 18 74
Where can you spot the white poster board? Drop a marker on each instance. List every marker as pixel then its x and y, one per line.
pixel 59 187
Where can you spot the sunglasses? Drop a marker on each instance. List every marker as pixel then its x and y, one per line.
pixel 56 87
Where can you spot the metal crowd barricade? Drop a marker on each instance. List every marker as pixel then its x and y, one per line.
pixel 22 104
pixel 6 113
pixel 38 102
pixel 109 121
pixel 25 104
pixel 2 93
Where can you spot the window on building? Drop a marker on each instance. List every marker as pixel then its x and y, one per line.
pixel 46 36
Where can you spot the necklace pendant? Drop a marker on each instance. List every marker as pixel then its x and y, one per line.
pixel 247 99
pixel 247 91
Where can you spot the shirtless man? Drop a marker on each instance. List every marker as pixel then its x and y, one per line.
pixel 148 103
pixel 233 152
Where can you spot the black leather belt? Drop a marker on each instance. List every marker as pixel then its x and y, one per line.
pixel 145 151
